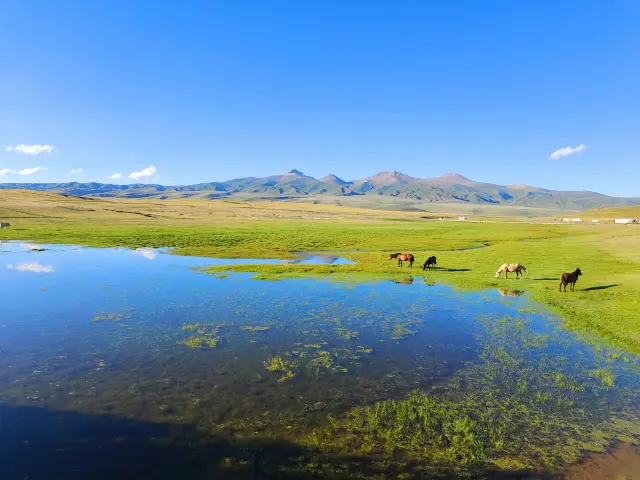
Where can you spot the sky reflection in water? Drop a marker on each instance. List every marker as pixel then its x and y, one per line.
pixel 101 331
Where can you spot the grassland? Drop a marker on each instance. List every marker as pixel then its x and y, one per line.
pixel 606 304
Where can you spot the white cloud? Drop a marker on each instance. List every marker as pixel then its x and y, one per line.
pixel 30 246
pixel 31 267
pixel 29 171
pixel 31 149
pixel 566 151
pixel 5 171
pixel 148 253
pixel 75 170
pixel 147 172
pixel 116 176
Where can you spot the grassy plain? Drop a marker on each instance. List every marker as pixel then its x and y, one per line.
pixel 606 304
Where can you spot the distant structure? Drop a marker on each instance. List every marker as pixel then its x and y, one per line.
pixel 462 219
pixel 595 221
pixel 626 220
pixel 576 220
pixel 566 219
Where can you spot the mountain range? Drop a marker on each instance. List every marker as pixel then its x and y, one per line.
pixel 383 187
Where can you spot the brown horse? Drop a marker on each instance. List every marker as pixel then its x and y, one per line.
pixel 511 267
pixel 403 257
pixel 431 261
pixel 570 279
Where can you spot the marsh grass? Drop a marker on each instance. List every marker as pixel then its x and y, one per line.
pixel 520 408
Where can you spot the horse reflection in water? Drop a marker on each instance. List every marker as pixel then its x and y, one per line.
pixel 510 293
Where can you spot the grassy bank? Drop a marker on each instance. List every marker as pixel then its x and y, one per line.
pixel 606 303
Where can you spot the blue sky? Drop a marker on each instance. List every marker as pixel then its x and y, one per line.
pixel 204 91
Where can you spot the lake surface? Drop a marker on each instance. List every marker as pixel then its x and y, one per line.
pixel 132 362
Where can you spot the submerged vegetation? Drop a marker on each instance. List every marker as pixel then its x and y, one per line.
pixel 512 411
pixel 203 335
pixel 286 366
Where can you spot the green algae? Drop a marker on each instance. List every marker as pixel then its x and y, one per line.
pixel 256 328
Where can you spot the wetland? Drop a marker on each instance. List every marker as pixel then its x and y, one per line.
pixel 140 362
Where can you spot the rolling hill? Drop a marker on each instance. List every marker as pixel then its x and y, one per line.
pixel 383 190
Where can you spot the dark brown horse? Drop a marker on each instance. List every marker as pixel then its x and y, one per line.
pixel 403 257
pixel 570 279
pixel 431 261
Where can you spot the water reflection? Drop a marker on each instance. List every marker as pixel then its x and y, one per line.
pixel 510 293
pixel 314 258
pixel 114 334
pixel 31 267
pixel 148 253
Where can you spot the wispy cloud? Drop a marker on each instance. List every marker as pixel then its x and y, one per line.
pixel 116 176
pixel 148 253
pixel 31 267
pixel 147 172
pixel 75 170
pixel 566 151
pixel 29 171
pixel 5 171
pixel 30 246
pixel 31 149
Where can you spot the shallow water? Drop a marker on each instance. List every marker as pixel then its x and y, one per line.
pixel 140 335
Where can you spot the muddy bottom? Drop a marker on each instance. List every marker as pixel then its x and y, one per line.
pixel 622 463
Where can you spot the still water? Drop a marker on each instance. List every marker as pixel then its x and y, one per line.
pixel 135 364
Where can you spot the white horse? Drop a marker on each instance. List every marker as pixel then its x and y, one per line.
pixel 511 267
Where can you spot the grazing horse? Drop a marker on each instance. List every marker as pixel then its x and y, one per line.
pixel 403 257
pixel 431 261
pixel 5 225
pixel 511 267
pixel 570 279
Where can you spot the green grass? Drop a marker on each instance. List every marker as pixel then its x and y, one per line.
pixel 605 305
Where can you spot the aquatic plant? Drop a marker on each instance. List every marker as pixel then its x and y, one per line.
pixel 518 408
pixel 203 334
pixel 606 376
pixel 346 334
pixel 286 366
pixel 114 316
pixel 256 328
pixel 400 331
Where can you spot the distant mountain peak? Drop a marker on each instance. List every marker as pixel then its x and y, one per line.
pixel 448 179
pixel 296 172
pixel 455 176
pixel 333 180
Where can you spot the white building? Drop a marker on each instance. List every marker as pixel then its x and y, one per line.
pixel 626 220
pixel 566 219
pixel 576 219
pixel 595 221
pixel 462 219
